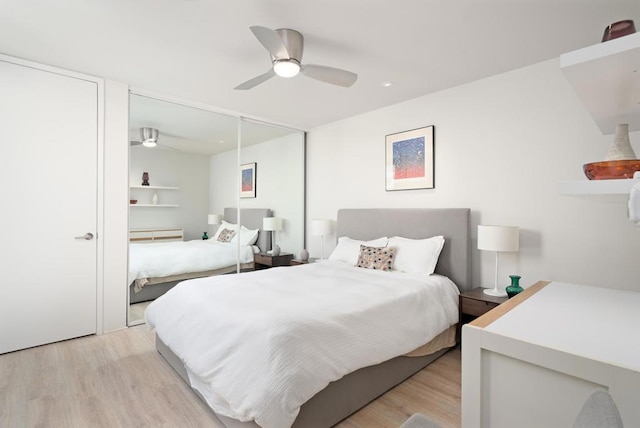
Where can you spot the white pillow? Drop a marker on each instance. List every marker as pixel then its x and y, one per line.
pixel 348 249
pixel 222 227
pixel 417 255
pixel 246 236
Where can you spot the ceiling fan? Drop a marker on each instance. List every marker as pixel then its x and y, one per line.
pixel 286 46
pixel 149 138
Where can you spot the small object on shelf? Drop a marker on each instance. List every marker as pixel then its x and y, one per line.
pixel 621 148
pixel 133 201
pixel 205 236
pixel 611 170
pixel 620 161
pixel 618 29
pixel 304 255
pixel 154 199
pixel 145 178
pixel 514 288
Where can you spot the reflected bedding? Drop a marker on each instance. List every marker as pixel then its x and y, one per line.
pixel 180 257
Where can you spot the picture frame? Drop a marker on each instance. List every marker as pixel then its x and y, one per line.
pixel 248 180
pixel 409 159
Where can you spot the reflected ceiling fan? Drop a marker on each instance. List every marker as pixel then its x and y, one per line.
pixel 286 47
pixel 149 138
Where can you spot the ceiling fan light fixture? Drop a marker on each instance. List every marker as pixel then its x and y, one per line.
pixel 149 143
pixel 286 67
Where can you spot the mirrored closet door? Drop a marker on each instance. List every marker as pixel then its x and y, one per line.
pixel 272 164
pixel 188 172
pixel 182 168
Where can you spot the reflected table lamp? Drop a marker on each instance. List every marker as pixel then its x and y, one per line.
pixel 498 239
pixel 322 228
pixel 272 224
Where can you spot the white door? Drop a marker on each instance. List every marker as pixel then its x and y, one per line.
pixel 48 197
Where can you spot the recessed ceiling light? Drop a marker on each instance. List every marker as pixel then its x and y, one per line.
pixel 386 84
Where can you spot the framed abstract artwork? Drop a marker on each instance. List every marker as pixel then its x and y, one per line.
pixel 248 180
pixel 409 160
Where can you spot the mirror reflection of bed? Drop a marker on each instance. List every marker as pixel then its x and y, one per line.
pixel 193 172
pixel 157 265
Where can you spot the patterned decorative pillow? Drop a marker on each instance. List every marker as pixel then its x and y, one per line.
pixel 226 235
pixel 380 258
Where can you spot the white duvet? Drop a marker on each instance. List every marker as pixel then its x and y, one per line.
pixel 178 257
pixel 258 345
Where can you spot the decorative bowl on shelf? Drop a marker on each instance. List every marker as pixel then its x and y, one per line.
pixel 611 170
pixel 133 201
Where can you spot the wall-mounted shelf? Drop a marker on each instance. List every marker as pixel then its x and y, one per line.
pixel 155 187
pixel 606 77
pixel 154 206
pixel 597 187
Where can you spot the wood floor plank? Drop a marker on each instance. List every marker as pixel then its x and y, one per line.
pixel 119 380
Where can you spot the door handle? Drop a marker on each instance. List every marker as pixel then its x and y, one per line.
pixel 87 236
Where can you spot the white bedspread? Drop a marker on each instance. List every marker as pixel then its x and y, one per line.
pixel 260 344
pixel 178 257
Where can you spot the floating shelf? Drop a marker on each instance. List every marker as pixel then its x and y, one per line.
pixel 154 206
pixel 155 187
pixel 606 77
pixel 597 187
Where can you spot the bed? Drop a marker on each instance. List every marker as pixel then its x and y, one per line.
pixel 155 268
pixel 353 386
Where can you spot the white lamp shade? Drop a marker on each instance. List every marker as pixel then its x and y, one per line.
pixel 320 227
pixel 214 219
pixel 271 223
pixel 498 238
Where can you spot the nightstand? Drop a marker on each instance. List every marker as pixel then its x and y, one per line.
pixel 474 303
pixel 265 261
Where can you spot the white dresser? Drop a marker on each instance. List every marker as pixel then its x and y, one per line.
pixel 156 235
pixel 535 359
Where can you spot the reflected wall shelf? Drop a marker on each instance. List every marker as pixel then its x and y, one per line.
pixel 606 77
pixel 154 206
pixel 155 187
pixel 597 187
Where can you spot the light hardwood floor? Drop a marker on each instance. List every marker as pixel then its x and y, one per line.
pixel 119 380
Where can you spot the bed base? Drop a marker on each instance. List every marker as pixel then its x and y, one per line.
pixel 340 398
pixel 156 287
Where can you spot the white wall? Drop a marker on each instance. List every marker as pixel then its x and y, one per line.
pixel 189 172
pixel 501 146
pixel 115 235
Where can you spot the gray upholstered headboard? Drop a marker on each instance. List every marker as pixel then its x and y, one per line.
pixel 251 218
pixel 452 223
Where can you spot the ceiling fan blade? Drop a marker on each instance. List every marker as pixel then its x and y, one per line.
pixel 135 143
pixel 256 80
pixel 271 41
pixel 334 76
pixel 164 147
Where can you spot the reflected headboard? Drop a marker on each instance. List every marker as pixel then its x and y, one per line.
pixel 251 218
pixel 419 223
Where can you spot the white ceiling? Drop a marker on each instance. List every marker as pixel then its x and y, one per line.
pixel 199 50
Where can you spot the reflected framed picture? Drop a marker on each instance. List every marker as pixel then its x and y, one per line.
pixel 248 180
pixel 409 159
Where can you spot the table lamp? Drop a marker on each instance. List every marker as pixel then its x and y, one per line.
pixel 272 224
pixel 498 239
pixel 321 227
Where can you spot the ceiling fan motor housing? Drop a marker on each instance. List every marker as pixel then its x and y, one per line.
pixel 293 41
